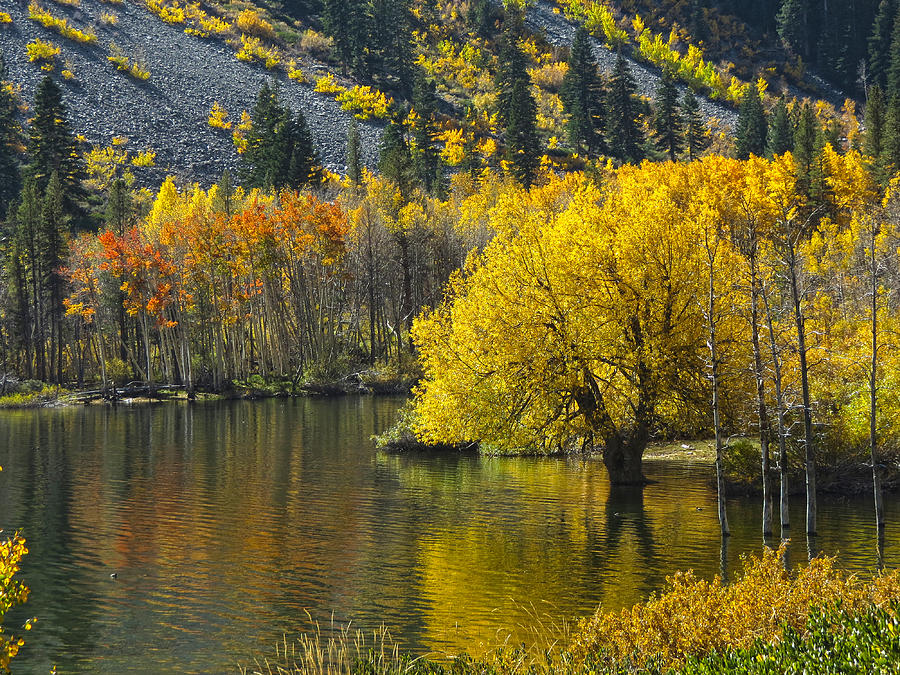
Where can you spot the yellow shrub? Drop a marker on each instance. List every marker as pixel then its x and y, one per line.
pixel 214 25
pixel 136 68
pixel 68 72
pixel 252 49
pixel 5 18
pixel 69 3
pixel 550 75
pixel 143 159
pixel 364 102
pixel 327 85
pixel 217 117
pixel 314 42
pixel 60 25
pixel 108 18
pixel 40 51
pixel 295 73
pixel 692 617
pixel 249 21
pixel 12 592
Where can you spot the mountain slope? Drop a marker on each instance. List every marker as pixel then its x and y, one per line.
pixel 167 113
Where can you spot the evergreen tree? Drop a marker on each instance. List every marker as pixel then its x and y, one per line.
pixel 752 128
pixel 512 68
pixel 119 211
pixel 304 167
pixel 426 158
pixel 522 143
pixel 873 142
pixel 582 96
pixel 808 145
pixel 354 160
pixel 395 162
pixel 391 42
pixel 698 24
pixel 889 162
pixel 53 256
pixel 623 109
pixel 781 133
pixel 52 147
pixel 880 42
pixel 667 122
pixel 349 23
pixel 696 137
pixel 480 18
pixel 10 178
pixel 893 74
pixel 280 151
pixel 791 21
pixel 29 258
pixel 265 158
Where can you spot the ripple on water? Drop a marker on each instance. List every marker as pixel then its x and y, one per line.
pixel 227 522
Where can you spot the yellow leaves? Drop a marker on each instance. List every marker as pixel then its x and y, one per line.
pixel 5 18
pixel 693 617
pixel 365 102
pixel 249 21
pixel 12 593
pixel 327 85
pixel 133 66
pixel 218 117
pixel 252 49
pixel 60 25
pixel 43 52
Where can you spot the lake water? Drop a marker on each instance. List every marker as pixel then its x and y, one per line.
pixel 226 522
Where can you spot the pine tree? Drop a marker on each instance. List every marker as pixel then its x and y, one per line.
pixel 426 158
pixel 52 147
pixel 893 74
pixel 354 160
pixel 696 137
pixel 511 69
pixel 781 133
pixel 751 127
pixel 889 162
pixel 698 24
pixel 791 21
pixel 265 158
pixel 480 18
pixel 304 167
pixel 873 142
pixel 667 122
pixel 28 245
pixel 391 42
pixel 10 178
pixel 395 161
pixel 522 143
pixel 349 23
pixel 53 257
pixel 623 109
pixel 880 42
pixel 119 211
pixel 582 96
pixel 808 145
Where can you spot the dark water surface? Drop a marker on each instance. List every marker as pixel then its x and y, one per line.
pixel 225 521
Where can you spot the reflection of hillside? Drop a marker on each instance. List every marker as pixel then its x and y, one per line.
pixel 226 521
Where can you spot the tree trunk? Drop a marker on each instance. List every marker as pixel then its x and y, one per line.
pixel 807 405
pixel 760 398
pixel 714 359
pixel 622 459
pixel 873 399
pixel 779 408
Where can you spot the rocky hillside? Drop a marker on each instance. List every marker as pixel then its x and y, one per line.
pixel 167 113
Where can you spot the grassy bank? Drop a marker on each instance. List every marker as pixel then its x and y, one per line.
pixel 818 619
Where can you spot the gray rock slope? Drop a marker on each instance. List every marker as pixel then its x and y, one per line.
pixel 167 113
pixel 559 32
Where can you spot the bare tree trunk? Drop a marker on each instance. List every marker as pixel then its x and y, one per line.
pixel 779 409
pixel 760 398
pixel 804 383
pixel 873 398
pixel 714 358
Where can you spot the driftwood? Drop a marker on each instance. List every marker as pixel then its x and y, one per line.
pixel 131 390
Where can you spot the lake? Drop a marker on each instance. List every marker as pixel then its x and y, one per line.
pixel 226 522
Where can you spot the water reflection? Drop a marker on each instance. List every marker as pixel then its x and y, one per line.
pixel 225 521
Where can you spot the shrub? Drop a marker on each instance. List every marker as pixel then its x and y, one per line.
pixel 68 72
pixel 42 52
pixel 68 3
pixel 327 85
pixel 12 593
pixel 249 21
pixel 133 67
pixel 252 50
pixel 109 19
pixel 60 25
pixel 295 73
pixel 693 617
pixel 364 102
pixel 315 43
pixel 145 158
pixel 217 117
pixel 5 18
